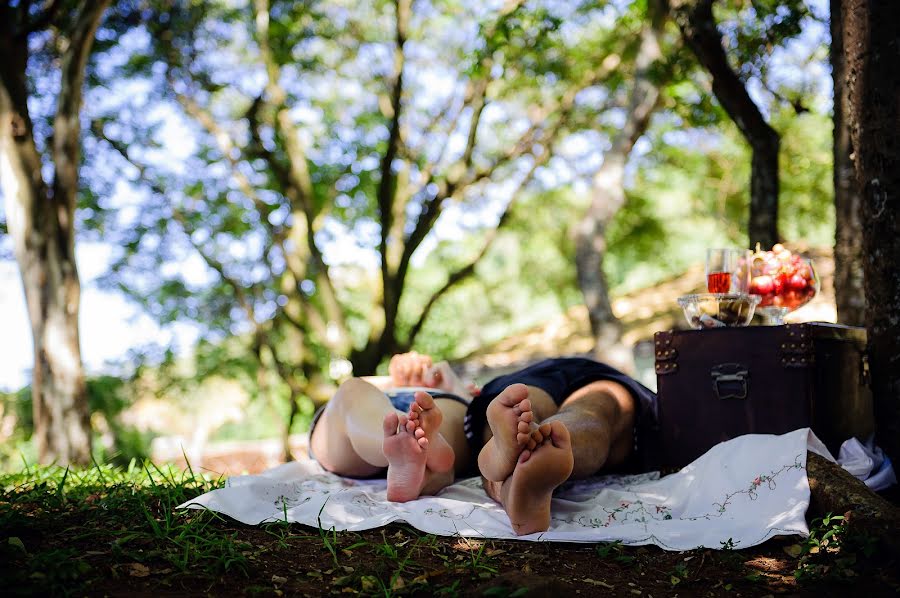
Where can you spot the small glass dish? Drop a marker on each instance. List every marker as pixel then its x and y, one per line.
pixel 718 310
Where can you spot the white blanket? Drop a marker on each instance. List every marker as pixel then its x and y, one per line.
pixel 739 494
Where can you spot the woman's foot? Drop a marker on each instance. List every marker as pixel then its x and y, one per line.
pixel 527 493
pixel 511 420
pixel 406 456
pixel 425 419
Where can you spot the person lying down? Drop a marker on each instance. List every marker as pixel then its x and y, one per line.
pixel 525 433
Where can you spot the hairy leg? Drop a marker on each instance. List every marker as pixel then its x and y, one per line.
pixel 600 419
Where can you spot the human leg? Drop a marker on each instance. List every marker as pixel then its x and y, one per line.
pixel 526 494
pixel 359 434
pixel 348 436
pixel 600 418
pixel 591 429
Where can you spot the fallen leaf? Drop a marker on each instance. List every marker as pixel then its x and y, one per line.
pixel 794 550
pixel 398 583
pixel 526 568
pixel 277 579
pixel 138 570
pixel 368 583
pixel 598 583
pixel 17 543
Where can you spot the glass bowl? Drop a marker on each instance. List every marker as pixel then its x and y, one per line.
pixel 718 310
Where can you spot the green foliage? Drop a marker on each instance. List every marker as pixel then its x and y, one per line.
pixel 188 173
pixel 113 441
pixel 832 552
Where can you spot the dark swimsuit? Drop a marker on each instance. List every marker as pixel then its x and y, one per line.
pixel 559 378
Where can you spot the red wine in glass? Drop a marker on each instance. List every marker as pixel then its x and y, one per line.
pixel 718 282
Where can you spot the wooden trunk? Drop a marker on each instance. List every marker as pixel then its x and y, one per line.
pixel 717 384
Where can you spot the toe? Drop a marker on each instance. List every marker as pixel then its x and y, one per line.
pixel 424 400
pixel 513 394
pixel 390 424
pixel 559 435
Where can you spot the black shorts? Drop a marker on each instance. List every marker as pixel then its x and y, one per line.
pixel 559 378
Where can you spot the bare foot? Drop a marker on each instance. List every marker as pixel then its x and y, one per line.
pixel 526 494
pixel 425 419
pixel 406 459
pixel 510 418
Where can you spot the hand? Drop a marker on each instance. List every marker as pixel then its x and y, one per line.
pixel 410 369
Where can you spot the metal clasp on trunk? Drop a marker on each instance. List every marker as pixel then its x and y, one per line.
pixel 730 380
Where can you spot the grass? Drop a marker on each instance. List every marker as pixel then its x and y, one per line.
pixel 108 530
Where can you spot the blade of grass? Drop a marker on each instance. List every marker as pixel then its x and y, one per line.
pixel 60 489
pixel 99 471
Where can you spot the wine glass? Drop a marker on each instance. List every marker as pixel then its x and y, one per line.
pixel 727 271
pixel 784 281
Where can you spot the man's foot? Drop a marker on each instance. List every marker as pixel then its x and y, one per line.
pixel 425 419
pixel 527 493
pixel 406 459
pixel 510 417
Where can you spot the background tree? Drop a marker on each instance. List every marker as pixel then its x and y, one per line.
pixel 872 53
pixel 41 215
pixel 849 292
pixel 312 123
pixel 701 34
pixel 608 192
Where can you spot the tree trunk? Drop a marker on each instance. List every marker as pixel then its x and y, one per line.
pixel 833 490
pixel 41 222
pixel 698 27
pixel 872 51
pixel 848 257
pixel 608 197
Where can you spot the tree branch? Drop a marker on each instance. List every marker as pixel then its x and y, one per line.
pixel 698 27
pixel 45 18
pixel 66 148
pixel 386 193
pixel 302 196
pixel 461 274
